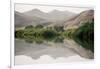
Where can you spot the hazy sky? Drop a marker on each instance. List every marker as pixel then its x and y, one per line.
pixel 26 7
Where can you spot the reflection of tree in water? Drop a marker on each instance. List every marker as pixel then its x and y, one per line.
pixel 32 40
pixel 29 40
pixel 59 40
pixel 41 40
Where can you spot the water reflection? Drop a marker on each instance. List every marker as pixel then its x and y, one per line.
pixel 41 40
pixel 23 59
pixel 55 47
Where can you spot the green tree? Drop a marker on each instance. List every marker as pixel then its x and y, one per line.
pixel 39 26
pixel 59 28
pixel 29 27
pixel 19 34
pixel 84 35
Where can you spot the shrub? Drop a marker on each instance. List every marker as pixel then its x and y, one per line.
pixel 19 34
pixel 39 26
pixel 29 27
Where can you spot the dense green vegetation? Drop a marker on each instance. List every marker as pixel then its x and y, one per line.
pixel 38 34
pixel 41 32
pixel 68 33
pixel 84 35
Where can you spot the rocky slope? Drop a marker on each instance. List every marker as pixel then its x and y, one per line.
pixel 79 19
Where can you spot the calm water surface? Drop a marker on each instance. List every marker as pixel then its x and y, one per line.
pixel 28 52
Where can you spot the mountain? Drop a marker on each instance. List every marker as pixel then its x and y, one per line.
pixel 54 16
pixel 78 20
pixel 22 20
pixel 36 12
pixel 60 15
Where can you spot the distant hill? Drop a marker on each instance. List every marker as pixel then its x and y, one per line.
pixel 35 12
pixel 79 19
pixel 22 20
pixel 54 16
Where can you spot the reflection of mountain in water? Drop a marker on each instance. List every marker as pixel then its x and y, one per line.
pixel 37 50
pixel 47 59
pixel 67 49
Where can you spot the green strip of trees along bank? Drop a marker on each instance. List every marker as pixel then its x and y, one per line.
pixel 84 35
